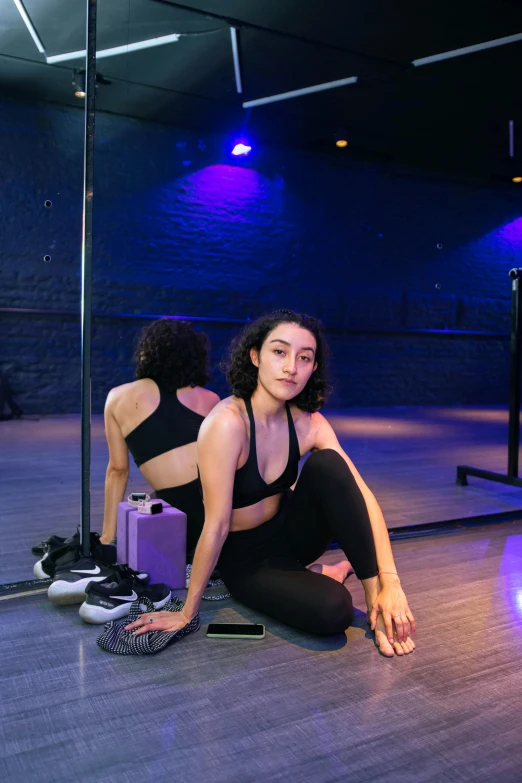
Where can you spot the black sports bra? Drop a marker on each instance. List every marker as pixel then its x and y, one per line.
pixel 249 485
pixel 172 424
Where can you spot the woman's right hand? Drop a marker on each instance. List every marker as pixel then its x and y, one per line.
pixel 159 621
pixel 392 604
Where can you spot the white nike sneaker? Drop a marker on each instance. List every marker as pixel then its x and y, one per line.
pixel 69 583
pixel 112 600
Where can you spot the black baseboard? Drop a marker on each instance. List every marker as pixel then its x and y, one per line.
pixel 450 526
pixel 28 586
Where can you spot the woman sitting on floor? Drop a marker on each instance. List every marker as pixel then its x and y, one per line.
pixel 157 418
pixel 265 535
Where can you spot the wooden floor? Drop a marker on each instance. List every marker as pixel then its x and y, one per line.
pixel 407 456
pixel 291 707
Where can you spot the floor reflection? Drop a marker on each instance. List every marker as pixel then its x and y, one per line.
pixel 510 574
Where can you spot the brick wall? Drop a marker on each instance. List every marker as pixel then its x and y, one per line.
pixel 179 228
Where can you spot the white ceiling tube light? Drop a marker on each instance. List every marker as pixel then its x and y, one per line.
pixel 235 56
pixel 30 26
pixel 149 43
pixel 284 96
pixel 435 58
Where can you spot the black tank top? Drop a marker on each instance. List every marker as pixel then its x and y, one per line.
pixel 249 485
pixel 172 424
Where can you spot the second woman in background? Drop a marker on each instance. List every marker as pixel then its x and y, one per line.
pixel 157 418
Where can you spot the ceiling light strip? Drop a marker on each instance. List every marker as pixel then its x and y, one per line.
pixel 132 47
pixel 235 56
pixel 30 26
pixel 434 58
pixel 283 96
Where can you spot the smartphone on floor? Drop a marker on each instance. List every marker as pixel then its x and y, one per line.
pixel 235 631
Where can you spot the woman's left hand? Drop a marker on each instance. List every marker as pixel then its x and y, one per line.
pixel 159 621
pixel 393 605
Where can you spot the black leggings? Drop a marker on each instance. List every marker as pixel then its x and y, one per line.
pixel 265 568
pixel 187 498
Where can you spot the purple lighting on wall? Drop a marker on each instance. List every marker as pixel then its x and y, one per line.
pixel 236 185
pixel 503 245
pixel 230 194
pixel 241 148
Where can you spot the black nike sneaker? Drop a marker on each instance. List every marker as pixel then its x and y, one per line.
pixel 53 542
pixel 111 600
pixel 71 551
pixel 124 571
pixel 70 581
pixel 45 568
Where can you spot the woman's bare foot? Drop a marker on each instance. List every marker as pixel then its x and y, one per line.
pixel 339 571
pixel 385 648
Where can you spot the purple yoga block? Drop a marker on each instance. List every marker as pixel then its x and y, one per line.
pixel 157 544
pixel 122 529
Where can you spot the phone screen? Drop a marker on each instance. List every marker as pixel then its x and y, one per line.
pixel 235 629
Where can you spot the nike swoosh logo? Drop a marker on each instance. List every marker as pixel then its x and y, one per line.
pixel 132 597
pixel 96 570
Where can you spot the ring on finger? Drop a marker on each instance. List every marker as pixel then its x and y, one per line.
pixel 398 616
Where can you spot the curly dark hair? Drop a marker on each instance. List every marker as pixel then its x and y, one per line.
pixel 173 354
pixel 242 373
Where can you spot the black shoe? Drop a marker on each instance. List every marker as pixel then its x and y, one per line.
pixel 71 551
pixel 125 572
pixel 70 581
pixel 45 568
pixel 111 600
pixel 52 543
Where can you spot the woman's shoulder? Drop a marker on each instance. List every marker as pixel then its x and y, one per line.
pixel 229 408
pixel 227 417
pixel 126 390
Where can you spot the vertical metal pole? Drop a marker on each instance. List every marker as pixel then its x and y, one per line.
pixel 235 57
pixel 86 316
pixel 514 389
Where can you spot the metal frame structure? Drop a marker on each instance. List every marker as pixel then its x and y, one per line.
pixel 463 471
pixel 235 25
pixel 86 296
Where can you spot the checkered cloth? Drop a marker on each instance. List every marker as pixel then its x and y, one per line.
pixel 211 583
pixel 116 639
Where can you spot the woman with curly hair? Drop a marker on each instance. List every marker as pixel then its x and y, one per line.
pixel 268 537
pixel 157 418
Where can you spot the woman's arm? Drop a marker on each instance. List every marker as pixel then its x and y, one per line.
pixel 390 601
pixel 117 472
pixel 219 446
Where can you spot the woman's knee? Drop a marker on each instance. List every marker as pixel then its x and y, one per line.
pixel 325 459
pixel 326 464
pixel 335 615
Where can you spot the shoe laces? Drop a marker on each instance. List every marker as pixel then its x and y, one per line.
pixel 126 572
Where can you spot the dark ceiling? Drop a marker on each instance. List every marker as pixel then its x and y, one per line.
pixel 452 114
